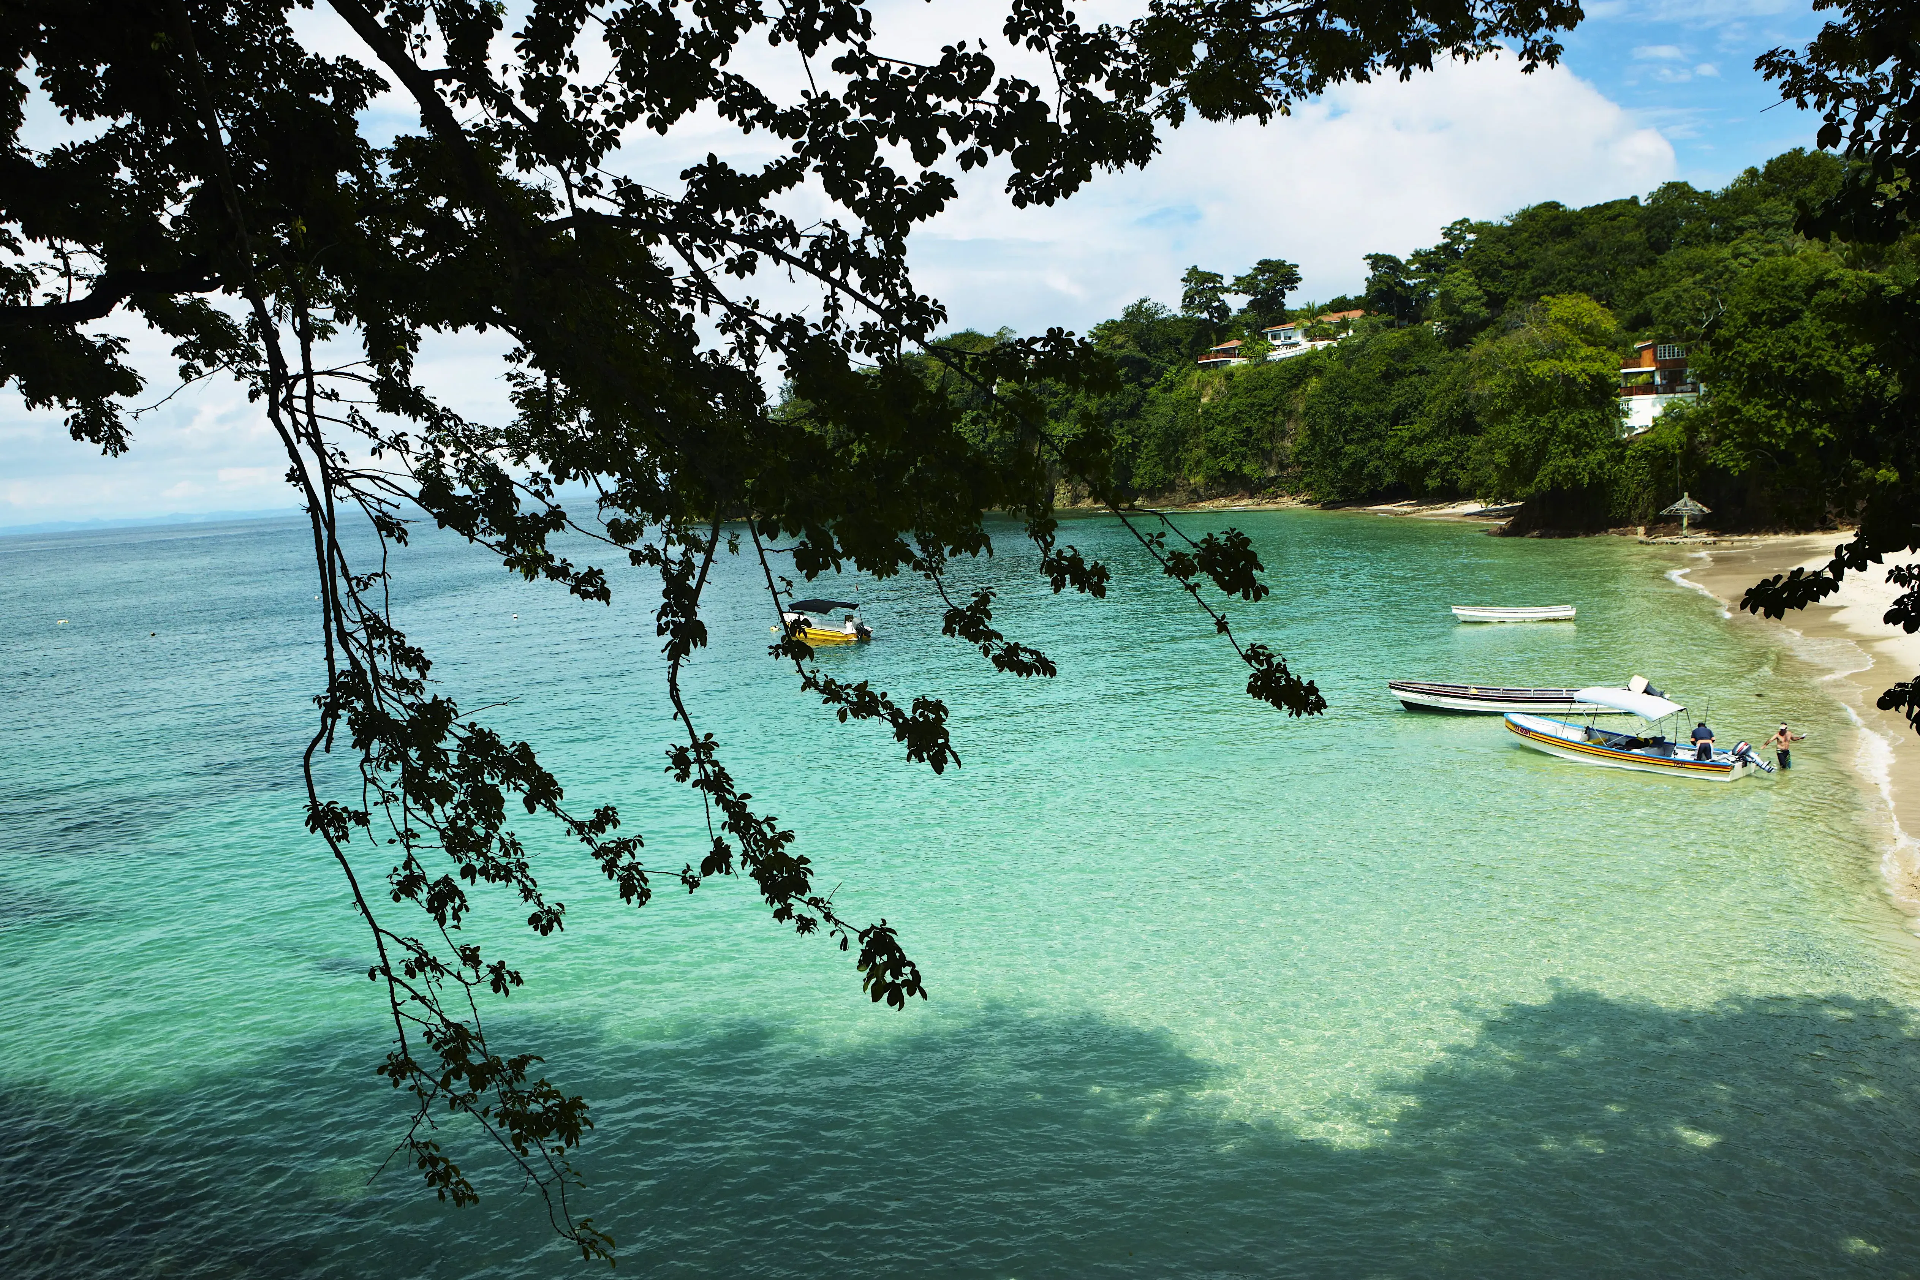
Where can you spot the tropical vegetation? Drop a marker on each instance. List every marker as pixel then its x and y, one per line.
pixel 1487 365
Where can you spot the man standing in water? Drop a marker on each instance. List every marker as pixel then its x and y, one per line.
pixel 1781 742
pixel 1702 742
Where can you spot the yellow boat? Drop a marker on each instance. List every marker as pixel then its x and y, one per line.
pixel 816 624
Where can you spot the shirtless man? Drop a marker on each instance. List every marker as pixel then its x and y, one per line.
pixel 1781 743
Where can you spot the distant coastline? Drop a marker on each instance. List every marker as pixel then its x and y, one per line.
pixel 1500 513
pixel 146 522
pixel 1284 502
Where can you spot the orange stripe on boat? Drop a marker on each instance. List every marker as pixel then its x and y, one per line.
pixel 1605 753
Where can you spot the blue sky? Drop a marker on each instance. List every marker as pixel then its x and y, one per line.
pixel 1687 70
pixel 1649 91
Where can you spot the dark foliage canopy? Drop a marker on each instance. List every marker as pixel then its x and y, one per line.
pixel 1863 72
pixel 220 184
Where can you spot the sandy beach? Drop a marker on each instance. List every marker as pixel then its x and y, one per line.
pixel 1845 634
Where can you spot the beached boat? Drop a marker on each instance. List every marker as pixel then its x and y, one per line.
pixel 1648 752
pixel 1492 613
pixel 1491 700
pixel 814 618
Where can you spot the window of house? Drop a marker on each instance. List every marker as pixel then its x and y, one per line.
pixel 1669 351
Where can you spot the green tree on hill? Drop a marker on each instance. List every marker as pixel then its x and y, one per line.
pixel 1460 306
pixel 1547 396
pixel 1203 294
pixel 1265 288
pixel 1153 334
pixel 1392 291
pixel 1804 405
pixel 1374 419
pixel 1206 431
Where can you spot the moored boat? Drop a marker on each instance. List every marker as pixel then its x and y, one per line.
pixel 813 620
pixel 1650 752
pixel 1496 613
pixel 1491 700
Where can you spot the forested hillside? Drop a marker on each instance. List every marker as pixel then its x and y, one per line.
pixel 1487 365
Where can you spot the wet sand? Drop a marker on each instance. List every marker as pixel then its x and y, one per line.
pixel 1887 751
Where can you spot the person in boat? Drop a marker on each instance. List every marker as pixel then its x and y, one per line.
pixel 1782 743
pixel 1702 742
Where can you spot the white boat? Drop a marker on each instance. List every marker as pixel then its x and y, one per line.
pixel 1650 752
pixel 1492 613
pixel 1493 700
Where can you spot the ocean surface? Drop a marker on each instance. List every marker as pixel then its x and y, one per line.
pixel 1214 992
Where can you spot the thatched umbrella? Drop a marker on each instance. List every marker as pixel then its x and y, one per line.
pixel 1686 509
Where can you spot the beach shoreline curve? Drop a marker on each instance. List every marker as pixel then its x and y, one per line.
pixel 1886 752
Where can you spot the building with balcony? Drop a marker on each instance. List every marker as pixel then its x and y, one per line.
pixel 1285 340
pixel 1225 354
pixel 1654 378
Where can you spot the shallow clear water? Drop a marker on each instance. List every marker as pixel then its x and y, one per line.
pixel 1213 991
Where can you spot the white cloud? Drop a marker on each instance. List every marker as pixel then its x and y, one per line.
pixel 1371 168
pixel 1659 53
pixel 1706 69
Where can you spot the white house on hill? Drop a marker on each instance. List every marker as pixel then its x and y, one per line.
pixel 1654 378
pixel 1283 341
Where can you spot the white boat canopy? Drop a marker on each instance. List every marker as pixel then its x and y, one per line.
pixel 1644 705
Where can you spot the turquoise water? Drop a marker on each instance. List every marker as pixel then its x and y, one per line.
pixel 1214 992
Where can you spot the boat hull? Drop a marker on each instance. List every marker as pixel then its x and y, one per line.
pixel 1568 741
pixel 1486 700
pixel 818 636
pixel 1489 613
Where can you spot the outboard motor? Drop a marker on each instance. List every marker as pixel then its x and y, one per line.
pixel 1743 754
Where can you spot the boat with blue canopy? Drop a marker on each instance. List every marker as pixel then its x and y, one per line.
pixel 1649 751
